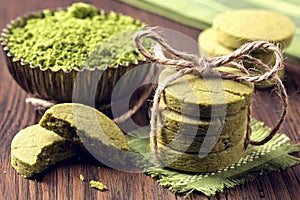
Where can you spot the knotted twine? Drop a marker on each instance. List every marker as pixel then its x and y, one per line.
pixel 186 63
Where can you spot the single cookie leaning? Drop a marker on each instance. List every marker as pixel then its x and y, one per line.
pixel 208 96
pixel 34 149
pixel 235 28
pixel 89 127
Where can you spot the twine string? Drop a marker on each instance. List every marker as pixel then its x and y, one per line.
pixel 197 64
pixel 39 104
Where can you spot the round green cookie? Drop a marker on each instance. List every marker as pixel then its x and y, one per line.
pixel 206 97
pixel 190 144
pixel 234 28
pixel 193 163
pixel 191 126
pixel 208 45
pixel 34 149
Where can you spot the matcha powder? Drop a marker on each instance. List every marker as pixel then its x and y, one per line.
pixel 63 39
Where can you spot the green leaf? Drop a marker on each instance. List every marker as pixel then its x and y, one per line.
pixel 257 160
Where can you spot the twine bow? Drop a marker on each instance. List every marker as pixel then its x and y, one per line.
pixel 197 64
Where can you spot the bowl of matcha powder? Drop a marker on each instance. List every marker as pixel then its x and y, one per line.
pixel 45 51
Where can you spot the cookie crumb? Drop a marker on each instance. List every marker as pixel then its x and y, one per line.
pixel 81 177
pixel 98 185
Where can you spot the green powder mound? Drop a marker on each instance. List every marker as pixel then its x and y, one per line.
pixel 64 39
pixel 234 28
pixel 34 149
pixel 115 50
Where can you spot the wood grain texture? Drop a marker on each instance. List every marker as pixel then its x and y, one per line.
pixel 62 181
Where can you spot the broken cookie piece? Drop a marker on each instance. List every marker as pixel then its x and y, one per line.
pixel 34 149
pixel 90 128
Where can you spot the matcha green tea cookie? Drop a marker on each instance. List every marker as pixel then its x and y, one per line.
pixel 34 149
pixel 89 127
pixel 209 46
pixel 190 125
pixel 234 28
pixel 196 112
pixel 192 144
pixel 193 163
pixel 206 97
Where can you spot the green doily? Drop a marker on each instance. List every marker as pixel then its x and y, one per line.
pixel 257 160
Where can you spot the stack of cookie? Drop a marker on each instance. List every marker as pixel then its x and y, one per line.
pixel 232 29
pixel 202 121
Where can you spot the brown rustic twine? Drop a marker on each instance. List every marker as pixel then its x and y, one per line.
pixel 42 105
pixel 197 64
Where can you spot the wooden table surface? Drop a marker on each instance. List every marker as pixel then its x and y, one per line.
pixel 62 181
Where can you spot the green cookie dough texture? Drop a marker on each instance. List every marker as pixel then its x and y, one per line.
pixel 90 128
pixel 34 149
pixel 67 39
pixel 189 125
pixel 208 45
pixel 234 28
pixel 77 121
pixel 211 95
pixel 192 144
pixel 193 163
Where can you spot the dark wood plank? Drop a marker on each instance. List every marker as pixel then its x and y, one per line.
pixel 62 181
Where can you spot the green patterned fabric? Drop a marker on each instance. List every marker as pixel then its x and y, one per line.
pixel 202 12
pixel 257 160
